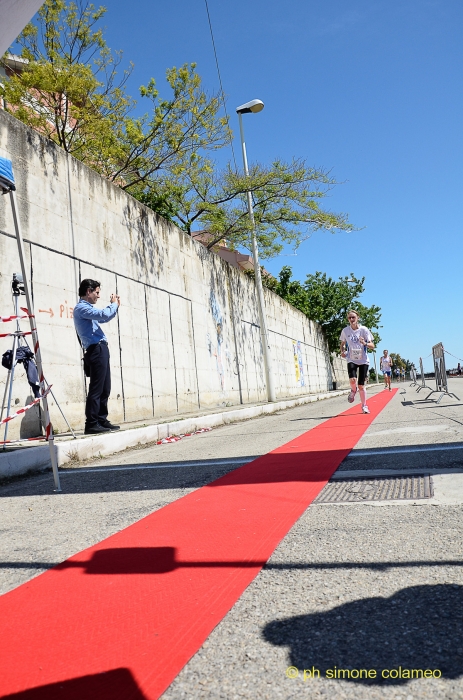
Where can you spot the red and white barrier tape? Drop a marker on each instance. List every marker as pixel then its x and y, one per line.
pixel 5 319
pixel 26 408
pixel 21 333
pixel 26 311
pixel 14 442
pixel 176 438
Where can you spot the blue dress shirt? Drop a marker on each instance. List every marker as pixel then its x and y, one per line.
pixel 87 321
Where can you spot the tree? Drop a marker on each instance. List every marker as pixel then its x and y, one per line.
pixel 398 361
pixel 285 199
pixel 69 91
pixel 162 145
pixel 327 301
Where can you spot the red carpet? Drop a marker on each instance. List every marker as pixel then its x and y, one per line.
pixel 119 620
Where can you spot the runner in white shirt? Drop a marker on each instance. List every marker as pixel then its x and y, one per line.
pixel 355 339
pixel 385 364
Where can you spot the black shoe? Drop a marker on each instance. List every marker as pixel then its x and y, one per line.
pixel 109 425
pixel 95 429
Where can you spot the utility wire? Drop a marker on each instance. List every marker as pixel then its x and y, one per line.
pixel 457 358
pixel 220 80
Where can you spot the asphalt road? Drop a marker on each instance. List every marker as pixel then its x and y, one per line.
pixel 356 586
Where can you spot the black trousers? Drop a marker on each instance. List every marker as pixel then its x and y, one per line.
pixel 97 360
pixel 352 372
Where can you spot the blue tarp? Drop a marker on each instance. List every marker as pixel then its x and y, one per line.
pixel 6 174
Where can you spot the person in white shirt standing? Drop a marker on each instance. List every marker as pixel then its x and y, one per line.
pixel 355 341
pixel 385 364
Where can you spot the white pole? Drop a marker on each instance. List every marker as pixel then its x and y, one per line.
pixel 376 371
pixel 35 340
pixel 271 395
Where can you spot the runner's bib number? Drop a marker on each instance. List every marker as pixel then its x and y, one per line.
pixel 356 353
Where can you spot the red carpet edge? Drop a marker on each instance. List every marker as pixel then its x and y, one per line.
pixel 119 620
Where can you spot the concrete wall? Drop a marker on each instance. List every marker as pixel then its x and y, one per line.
pixel 187 334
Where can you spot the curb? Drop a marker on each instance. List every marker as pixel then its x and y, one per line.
pixel 38 458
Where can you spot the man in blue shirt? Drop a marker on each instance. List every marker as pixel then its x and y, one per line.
pixel 87 321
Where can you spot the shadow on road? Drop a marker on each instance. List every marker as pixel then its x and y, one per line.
pixel 161 560
pixel 279 467
pixel 417 628
pixel 117 684
pixel 287 464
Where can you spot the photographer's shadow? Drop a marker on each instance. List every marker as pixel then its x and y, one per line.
pixel 417 628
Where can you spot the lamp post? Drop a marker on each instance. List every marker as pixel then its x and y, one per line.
pixel 253 107
pixel 376 371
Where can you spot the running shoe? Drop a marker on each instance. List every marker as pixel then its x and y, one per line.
pixel 351 396
pixel 365 409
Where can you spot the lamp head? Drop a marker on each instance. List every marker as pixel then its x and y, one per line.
pixel 253 106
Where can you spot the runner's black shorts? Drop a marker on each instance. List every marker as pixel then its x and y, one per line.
pixel 352 372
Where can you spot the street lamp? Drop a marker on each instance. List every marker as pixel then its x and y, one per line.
pixel 255 106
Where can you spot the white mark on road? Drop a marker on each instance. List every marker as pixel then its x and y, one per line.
pixel 402 450
pixel 413 429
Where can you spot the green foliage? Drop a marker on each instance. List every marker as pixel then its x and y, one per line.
pixel 160 146
pixel 398 361
pixel 68 89
pixel 69 92
pixel 327 301
pixel 160 203
pixel 285 202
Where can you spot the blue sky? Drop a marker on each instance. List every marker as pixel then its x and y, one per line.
pixel 367 88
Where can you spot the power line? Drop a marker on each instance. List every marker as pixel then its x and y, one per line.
pixel 220 79
pixel 457 358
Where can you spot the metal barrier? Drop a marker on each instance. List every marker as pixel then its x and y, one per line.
pixel 413 377
pixel 438 356
pixel 423 380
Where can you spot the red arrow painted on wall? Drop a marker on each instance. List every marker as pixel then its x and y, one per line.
pixel 47 311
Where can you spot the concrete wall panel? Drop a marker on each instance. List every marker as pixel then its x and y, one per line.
pixel 184 354
pixel 187 334
pixel 135 356
pixel 161 352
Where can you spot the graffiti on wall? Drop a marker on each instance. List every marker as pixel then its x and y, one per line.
pixel 215 339
pixel 65 311
pixel 298 365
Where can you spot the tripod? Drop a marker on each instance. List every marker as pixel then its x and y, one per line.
pixel 20 341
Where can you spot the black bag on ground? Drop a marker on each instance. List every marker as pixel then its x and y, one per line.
pixel 7 359
pixel 26 356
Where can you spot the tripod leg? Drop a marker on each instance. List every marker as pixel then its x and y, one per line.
pixel 9 382
pixel 5 393
pixel 60 410
pixel 10 393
